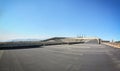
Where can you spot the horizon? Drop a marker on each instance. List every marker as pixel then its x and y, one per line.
pixel 44 38
pixel 42 19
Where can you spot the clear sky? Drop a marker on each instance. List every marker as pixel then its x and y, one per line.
pixel 49 18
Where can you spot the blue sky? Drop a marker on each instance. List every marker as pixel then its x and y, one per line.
pixel 49 18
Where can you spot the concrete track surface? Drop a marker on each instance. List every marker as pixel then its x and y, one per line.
pixel 77 57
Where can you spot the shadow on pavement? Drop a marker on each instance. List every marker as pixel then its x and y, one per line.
pixel 20 47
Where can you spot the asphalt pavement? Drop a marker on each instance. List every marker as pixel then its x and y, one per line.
pixel 77 57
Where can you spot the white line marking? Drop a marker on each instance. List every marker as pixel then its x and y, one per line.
pixel 1 53
pixel 64 52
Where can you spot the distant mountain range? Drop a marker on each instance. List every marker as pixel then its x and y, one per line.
pixel 17 40
pixel 26 40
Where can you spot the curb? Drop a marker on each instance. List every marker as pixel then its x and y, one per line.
pixel 111 45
